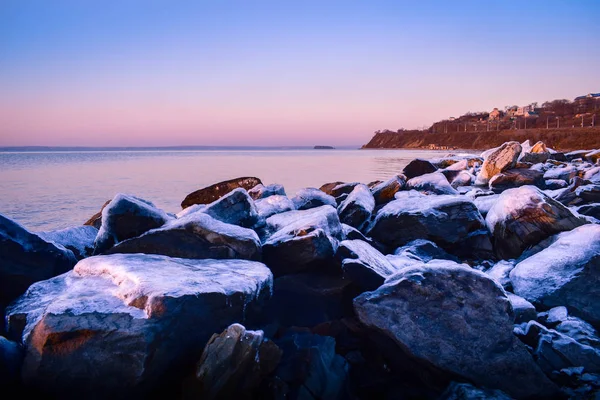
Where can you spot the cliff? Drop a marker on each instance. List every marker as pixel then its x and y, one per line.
pixel 565 139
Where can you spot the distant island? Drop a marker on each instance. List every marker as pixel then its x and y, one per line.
pixel 324 147
pixel 561 124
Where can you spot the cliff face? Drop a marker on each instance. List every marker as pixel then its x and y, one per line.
pixel 561 139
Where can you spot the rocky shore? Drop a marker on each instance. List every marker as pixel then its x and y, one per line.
pixel 463 277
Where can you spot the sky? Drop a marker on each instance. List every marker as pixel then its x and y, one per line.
pixel 278 73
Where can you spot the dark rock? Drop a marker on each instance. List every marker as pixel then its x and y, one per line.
pixel 564 274
pixel 498 160
pixel 466 391
pixel 424 250
pixel 341 189
pixel 195 235
pixel 261 191
pixel 592 210
pixel 572 155
pixel 418 167
pixel 357 208
pixel 523 217
pixel 592 156
pixel 588 193
pixel 310 198
pixel 385 191
pixel 79 239
pixel 214 192
pixel 457 320
pixel 233 365
pixel 328 187
pixel 11 359
pixel 451 160
pixel 515 178
pixel 26 258
pixel 272 205
pixel 236 207
pixel 553 184
pixel 144 320
pixel 559 319
pixel 563 173
pixel 126 217
pixel 534 158
pixel 96 219
pixel 364 265
pixel 524 310
pixel 500 272
pixel 434 183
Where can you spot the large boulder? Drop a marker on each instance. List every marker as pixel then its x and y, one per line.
pixel 515 178
pixel 233 365
pixel 301 240
pixel 236 207
pixel 384 192
pixel 449 221
pixel 311 198
pixel 211 193
pixel 566 273
pixel 26 258
pixel 499 160
pixel 458 321
pixel 79 239
pixel 272 205
pixel 126 217
pixel 123 325
pixel 358 206
pixel 364 265
pixel 523 217
pixel 433 183
pixel 196 235
pixel 418 167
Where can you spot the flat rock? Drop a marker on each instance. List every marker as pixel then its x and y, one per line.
pixel 385 191
pixel 566 273
pixel 79 239
pixel 433 183
pixel 356 209
pixel 27 258
pixel 261 191
pixel 196 235
pixel 418 167
pixel 311 198
pixel 523 217
pixel 143 319
pixel 498 160
pixel 457 320
pixel 213 192
pixel 364 265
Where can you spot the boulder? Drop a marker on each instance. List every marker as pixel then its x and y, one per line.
pixel 484 203
pixel 458 321
pixel 196 235
pixel 592 210
pixel 328 187
pixel 126 217
pixel 301 240
pixel 466 391
pixel 358 206
pixel 539 147
pixel 558 318
pixel 566 273
pixel 79 239
pixel 214 192
pixel 233 365
pixel 464 178
pixel 11 359
pixel 339 188
pixel 26 258
pixel 592 156
pixel 523 217
pixel 236 207
pixel 572 155
pixel 498 160
pixel 516 178
pixel 96 219
pixel 533 158
pixel 588 193
pixel 311 198
pixel 451 160
pixel 385 191
pixel 261 191
pixel 364 265
pixel 418 167
pixel 423 250
pixel 144 319
pixel 553 184
pixel 434 183
pixel 500 272
pixel 524 310
pixel 272 205
pixel 563 173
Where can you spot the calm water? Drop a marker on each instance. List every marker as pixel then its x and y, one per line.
pixel 54 190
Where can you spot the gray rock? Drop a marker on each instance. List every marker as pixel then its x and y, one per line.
pixel 79 239
pixel 144 318
pixel 498 160
pixel 364 265
pixel 458 320
pixel 433 183
pixel 524 310
pixel 310 198
pixel 385 191
pixel 236 207
pixel 261 191
pixel 418 167
pixel 196 235
pixel 564 274
pixel 357 208
pixel 126 217
pixel 523 217
pixel 26 258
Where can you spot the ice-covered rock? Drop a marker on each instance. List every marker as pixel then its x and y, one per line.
pixel 515 178
pixel 418 167
pixel 484 203
pixel 126 217
pixel 524 310
pixel 197 235
pixel 558 318
pixel 566 273
pixel 464 178
pixel 563 173
pixel 572 155
pixel 498 160
pixel 500 273
pixel 591 210
pixel 272 205
pixel 423 250
pixel 523 217
pixel 311 198
pixel 592 174
pixel 385 191
pixel 26 258
pixel 358 206
pixel 458 320
pixel 236 207
pixel 79 239
pixel 96 219
pixel 592 156
pixel 452 222
pixel 214 192
pixel 466 391
pixel 122 325
pixel 261 191
pixel 364 265
pixel 553 184
pixel 588 193
pixel 301 239
pixel 434 183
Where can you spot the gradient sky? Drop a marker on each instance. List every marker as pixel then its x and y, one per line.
pixel 153 73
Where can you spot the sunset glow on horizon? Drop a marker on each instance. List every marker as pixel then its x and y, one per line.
pixel 158 73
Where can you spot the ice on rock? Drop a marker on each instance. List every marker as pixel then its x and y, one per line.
pixel 80 239
pixel 435 183
pixel 311 197
pixel 364 265
pixel 272 205
pixel 356 209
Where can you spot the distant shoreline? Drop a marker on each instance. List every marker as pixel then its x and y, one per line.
pixel 156 148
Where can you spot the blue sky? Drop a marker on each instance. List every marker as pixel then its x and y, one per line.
pixel 278 72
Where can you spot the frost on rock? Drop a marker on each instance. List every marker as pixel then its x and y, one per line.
pixel 498 160
pixel 384 192
pixel 434 183
pixel 191 210
pixel 126 217
pixel 524 310
pixel 261 191
pixel 357 207
pixel 272 205
pixel 564 173
pixel 500 273
pixel 79 239
pixel 566 273
pixel 423 250
pixel 154 312
pixel 311 197
pixel 364 265
pixel 236 207
pixel 197 235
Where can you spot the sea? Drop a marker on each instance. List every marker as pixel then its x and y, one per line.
pixel 48 189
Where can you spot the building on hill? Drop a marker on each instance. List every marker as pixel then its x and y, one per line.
pixel 523 111
pixel 588 96
pixel 495 114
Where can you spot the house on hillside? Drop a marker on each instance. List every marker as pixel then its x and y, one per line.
pixel 495 114
pixel 523 111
